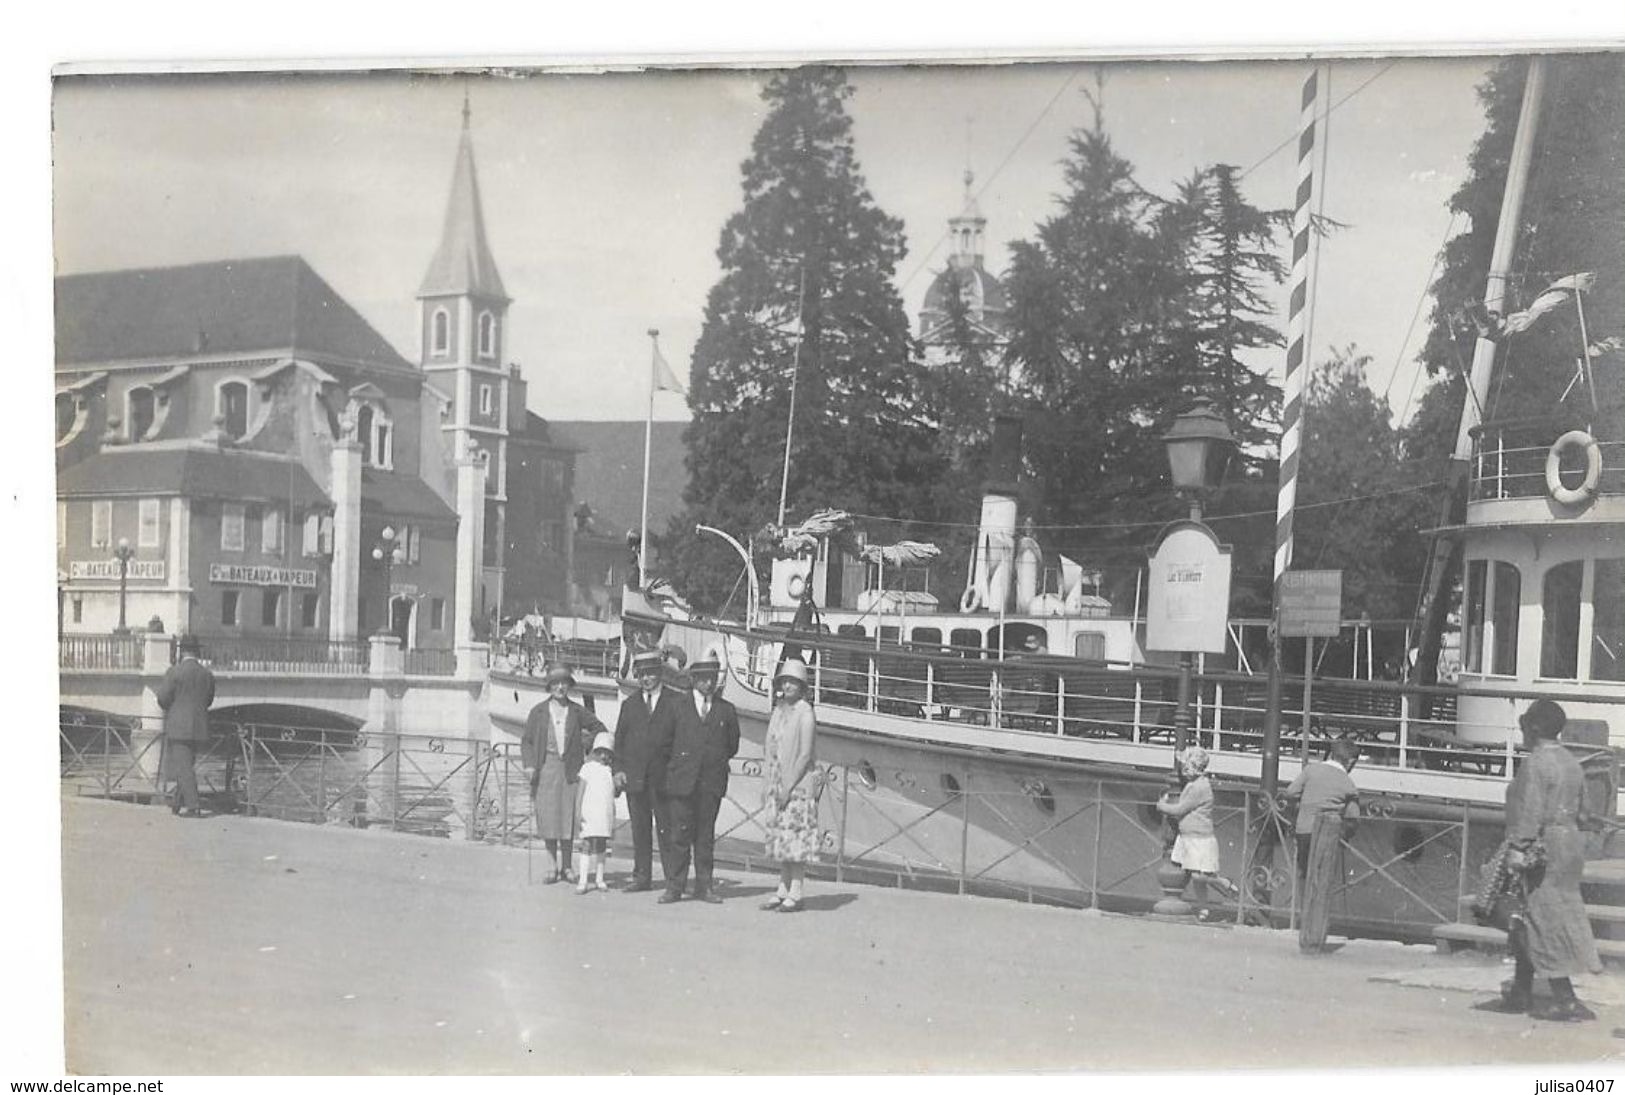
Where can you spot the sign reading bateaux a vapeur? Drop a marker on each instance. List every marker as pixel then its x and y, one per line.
pixel 237 574
pixel 146 570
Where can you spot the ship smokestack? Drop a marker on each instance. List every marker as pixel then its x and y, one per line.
pixel 994 558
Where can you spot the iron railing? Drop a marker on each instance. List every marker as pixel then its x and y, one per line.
pixel 126 651
pixel 951 824
pixel 1509 460
pixel 431 663
pixel 286 654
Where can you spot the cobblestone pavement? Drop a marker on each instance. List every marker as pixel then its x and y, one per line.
pixel 235 945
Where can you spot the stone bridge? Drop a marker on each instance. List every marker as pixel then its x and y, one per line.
pixel 371 685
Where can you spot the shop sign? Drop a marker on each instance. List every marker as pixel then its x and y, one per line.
pixel 238 574
pixel 144 570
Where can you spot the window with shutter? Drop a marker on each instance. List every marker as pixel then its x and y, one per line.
pixel 231 527
pixel 147 536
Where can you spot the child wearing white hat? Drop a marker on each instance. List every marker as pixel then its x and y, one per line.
pixel 595 806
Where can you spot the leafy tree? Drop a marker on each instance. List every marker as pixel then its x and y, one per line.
pixel 1352 456
pixel 809 250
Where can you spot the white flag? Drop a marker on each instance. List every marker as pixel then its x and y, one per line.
pixel 1556 293
pixel 663 379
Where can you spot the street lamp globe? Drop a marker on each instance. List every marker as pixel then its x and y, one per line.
pixel 1199 448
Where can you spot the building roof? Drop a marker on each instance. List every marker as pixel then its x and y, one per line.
pixel 277 304
pixel 198 471
pixel 609 471
pixel 462 265
pixel 539 434
pixel 396 495
pixel 983 293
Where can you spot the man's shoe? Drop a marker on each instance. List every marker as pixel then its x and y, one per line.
pixel 639 886
pixel 669 897
pixel 1562 1011
pixel 1511 1002
pixel 708 897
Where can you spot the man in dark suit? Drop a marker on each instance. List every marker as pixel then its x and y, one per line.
pixel 185 694
pixel 643 734
pixel 705 738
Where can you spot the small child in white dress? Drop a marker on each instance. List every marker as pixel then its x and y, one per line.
pixel 595 806
pixel 1196 848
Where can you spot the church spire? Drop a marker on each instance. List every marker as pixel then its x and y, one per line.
pixel 462 265
pixel 966 229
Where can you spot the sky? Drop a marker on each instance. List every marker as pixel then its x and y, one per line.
pixel 605 193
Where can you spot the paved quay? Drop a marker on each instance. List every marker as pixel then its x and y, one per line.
pixel 245 946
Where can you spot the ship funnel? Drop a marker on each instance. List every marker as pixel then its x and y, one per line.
pixel 992 562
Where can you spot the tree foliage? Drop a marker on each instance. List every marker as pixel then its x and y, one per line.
pixel 810 252
pixel 1571 222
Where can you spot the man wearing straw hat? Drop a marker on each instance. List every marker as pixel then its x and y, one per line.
pixel 643 733
pixel 185 694
pixel 705 739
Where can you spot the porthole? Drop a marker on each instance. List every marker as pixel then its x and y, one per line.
pixel 1040 793
pixel 950 785
pixel 866 774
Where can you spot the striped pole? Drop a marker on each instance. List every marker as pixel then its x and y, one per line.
pixel 1297 320
pixel 1291 421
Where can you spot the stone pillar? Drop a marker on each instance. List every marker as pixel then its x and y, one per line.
pixel 344 583
pixel 381 756
pixel 146 742
pixel 471 469
pixel 179 560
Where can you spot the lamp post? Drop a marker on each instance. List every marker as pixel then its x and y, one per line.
pixel 1199 446
pixel 387 552
pixel 122 554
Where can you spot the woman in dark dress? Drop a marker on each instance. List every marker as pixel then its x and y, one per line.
pixel 1551 936
pixel 552 749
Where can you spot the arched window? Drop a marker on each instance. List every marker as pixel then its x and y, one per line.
pixel 1560 621
pixel 1608 620
pixel 231 404
pixel 488 334
pixel 1490 644
pixel 363 432
pixel 440 332
pixel 138 412
pixel 67 413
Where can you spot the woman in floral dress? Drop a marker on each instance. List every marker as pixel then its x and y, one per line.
pixel 790 787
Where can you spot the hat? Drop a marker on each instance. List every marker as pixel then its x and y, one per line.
pixel 1031 642
pixel 605 740
pixel 647 661
pixel 1545 718
pixel 793 669
pixel 707 663
pixel 676 656
pixel 559 674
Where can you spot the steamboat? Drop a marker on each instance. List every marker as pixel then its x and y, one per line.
pixel 1015 740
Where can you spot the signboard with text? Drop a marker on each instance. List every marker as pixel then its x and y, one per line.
pixel 1188 606
pixel 1311 604
pixel 144 570
pixel 237 574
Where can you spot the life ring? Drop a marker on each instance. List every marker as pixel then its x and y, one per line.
pixel 971 601
pixel 1573 496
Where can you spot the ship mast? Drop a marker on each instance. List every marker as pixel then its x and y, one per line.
pixel 1430 607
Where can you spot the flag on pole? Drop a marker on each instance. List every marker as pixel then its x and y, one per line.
pixel 1556 294
pixel 664 379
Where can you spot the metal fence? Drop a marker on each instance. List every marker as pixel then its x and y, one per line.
pixel 286 654
pixel 1509 461
pixel 954 826
pixel 431 663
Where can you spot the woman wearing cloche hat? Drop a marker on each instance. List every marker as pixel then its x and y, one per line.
pixel 790 786
pixel 552 750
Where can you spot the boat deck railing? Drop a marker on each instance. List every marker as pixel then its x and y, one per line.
pixel 1397 725
pixel 1509 460
pixel 531 656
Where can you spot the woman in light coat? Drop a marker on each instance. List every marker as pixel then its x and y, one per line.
pixel 552 751
pixel 790 787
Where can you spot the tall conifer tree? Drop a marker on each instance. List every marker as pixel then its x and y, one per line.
pixel 809 250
